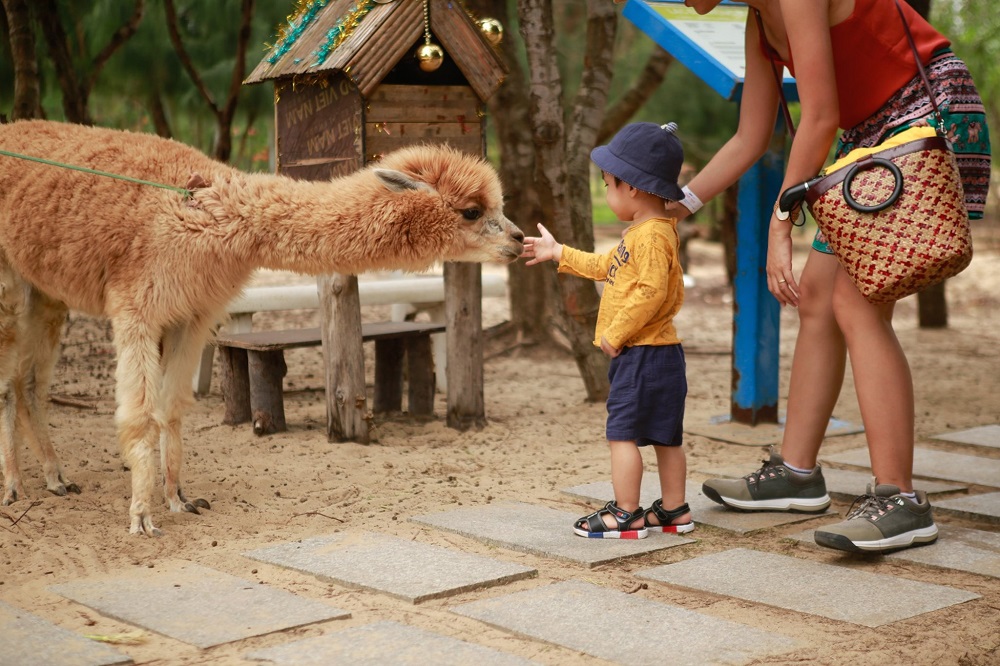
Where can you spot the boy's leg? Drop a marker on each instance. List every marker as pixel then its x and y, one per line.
pixel 626 477
pixel 671 465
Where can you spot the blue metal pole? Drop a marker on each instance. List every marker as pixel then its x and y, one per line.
pixel 755 311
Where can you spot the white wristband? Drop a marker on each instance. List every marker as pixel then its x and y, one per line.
pixel 690 200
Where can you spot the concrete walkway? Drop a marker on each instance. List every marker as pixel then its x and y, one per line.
pixel 204 607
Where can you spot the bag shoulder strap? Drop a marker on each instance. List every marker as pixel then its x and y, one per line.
pixel 777 76
pixel 909 38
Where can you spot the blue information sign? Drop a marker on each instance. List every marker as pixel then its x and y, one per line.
pixel 712 47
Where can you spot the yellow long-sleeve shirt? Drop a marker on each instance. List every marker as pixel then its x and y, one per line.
pixel 644 284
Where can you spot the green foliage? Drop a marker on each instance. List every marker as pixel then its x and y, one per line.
pixel 147 66
pixel 973 27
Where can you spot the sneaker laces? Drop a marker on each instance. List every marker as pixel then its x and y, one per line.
pixel 761 473
pixel 871 506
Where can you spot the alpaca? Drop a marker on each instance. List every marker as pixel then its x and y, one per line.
pixel 162 266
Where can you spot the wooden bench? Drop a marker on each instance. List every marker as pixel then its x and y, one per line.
pixel 253 370
pixel 405 295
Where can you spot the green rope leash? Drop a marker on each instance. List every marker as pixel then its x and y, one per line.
pixel 96 172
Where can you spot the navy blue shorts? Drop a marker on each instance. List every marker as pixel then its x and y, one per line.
pixel 646 400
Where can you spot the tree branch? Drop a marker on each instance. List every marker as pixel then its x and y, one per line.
pixel 122 35
pixel 175 39
pixel 649 80
pixel 239 67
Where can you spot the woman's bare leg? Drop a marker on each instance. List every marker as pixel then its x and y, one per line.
pixel 818 364
pixel 882 380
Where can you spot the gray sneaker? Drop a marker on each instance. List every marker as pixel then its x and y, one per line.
pixel 883 520
pixel 773 487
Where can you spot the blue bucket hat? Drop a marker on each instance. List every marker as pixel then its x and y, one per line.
pixel 647 156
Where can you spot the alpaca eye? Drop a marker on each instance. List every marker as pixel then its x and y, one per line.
pixel 472 213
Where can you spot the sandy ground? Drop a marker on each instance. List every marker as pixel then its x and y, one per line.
pixel 541 438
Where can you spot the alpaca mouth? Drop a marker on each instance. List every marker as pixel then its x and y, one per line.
pixel 510 255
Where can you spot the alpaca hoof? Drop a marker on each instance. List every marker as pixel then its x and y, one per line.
pixel 191 508
pixel 203 504
pixel 10 496
pixel 144 525
pixel 73 488
pixel 59 490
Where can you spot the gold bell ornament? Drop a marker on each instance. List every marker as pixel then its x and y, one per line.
pixel 429 55
pixel 492 29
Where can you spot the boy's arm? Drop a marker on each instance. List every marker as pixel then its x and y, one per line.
pixel 541 248
pixel 575 262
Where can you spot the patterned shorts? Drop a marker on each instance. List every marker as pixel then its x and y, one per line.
pixel 964 126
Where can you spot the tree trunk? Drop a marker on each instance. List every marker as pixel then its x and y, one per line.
pixel 557 181
pixel 27 88
pixel 932 305
pixel 509 114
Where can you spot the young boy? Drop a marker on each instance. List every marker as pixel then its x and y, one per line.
pixel 643 290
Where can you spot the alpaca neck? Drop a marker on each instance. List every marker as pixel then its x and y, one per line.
pixel 305 227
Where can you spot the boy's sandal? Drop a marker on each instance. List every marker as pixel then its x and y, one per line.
pixel 593 526
pixel 666 518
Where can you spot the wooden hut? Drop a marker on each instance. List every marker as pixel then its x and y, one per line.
pixel 349 87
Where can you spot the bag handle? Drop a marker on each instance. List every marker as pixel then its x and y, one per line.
pixel 909 38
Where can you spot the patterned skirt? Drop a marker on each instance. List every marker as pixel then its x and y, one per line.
pixel 964 125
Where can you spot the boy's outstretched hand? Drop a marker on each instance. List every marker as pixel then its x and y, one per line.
pixel 543 248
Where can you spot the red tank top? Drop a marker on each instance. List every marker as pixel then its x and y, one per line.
pixel 872 57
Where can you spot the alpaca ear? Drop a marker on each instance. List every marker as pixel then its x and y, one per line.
pixel 397 181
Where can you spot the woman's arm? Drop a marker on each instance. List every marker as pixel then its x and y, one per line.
pixel 807 24
pixel 758 112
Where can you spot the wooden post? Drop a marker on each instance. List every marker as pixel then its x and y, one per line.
pixel 346 395
pixel 463 289
pixel 267 404
pixel 389 375
pixel 420 368
pixel 235 385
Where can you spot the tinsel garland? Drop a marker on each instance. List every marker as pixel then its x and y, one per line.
pixel 304 15
pixel 338 33
pixel 298 21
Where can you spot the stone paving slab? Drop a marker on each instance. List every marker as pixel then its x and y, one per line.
pixel 543 531
pixel 703 510
pixel 384 644
pixel 724 429
pixel 29 640
pixel 836 592
pixel 935 465
pixel 578 616
pixel 956 548
pixel 984 507
pixel 988 436
pixel 402 568
pixel 842 483
pixel 195 604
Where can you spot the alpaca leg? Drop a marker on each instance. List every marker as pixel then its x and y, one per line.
pixel 39 353
pixel 13 488
pixel 181 350
pixel 11 310
pixel 138 380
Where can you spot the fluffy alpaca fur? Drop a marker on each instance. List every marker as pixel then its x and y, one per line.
pixel 163 266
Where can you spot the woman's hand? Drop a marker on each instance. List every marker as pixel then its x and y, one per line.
pixel 541 248
pixel 608 349
pixel 780 280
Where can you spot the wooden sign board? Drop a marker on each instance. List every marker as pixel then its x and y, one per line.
pixel 319 128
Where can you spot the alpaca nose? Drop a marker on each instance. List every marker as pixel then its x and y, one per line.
pixel 518 235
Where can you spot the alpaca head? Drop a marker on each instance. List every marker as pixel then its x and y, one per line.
pixel 464 193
